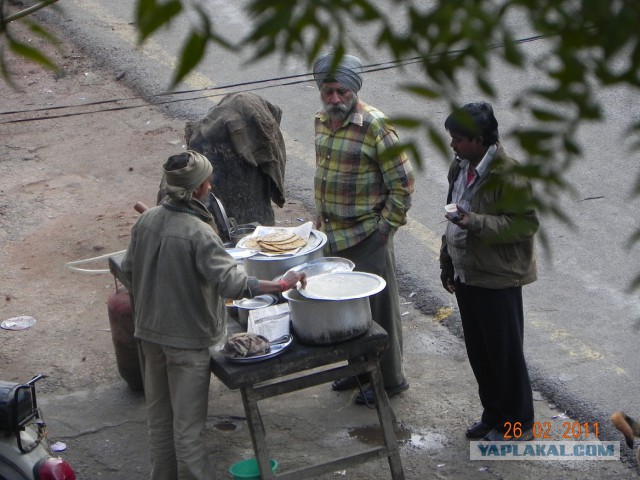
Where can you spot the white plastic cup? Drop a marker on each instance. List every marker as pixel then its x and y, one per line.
pixel 451 210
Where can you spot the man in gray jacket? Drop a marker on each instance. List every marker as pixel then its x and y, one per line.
pixel 180 274
pixel 487 255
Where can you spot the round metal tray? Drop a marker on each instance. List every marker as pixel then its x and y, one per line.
pixel 274 351
pixel 241 253
pixel 316 240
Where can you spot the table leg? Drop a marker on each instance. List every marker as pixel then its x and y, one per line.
pixel 388 423
pixel 256 429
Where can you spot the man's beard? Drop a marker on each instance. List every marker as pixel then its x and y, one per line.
pixel 340 111
pixel 203 196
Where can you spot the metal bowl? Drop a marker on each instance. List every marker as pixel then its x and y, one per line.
pixel 245 304
pixel 269 267
pixel 239 232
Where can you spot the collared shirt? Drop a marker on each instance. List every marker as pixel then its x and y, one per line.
pixel 462 195
pixel 358 189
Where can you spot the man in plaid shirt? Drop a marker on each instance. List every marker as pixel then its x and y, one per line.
pixel 362 195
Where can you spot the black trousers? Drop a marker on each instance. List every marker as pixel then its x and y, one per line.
pixel 493 325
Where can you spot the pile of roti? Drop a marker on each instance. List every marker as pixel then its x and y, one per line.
pixel 278 242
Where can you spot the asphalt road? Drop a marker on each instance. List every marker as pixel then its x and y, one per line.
pixel 582 323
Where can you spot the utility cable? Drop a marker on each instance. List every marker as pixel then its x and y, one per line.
pixel 254 85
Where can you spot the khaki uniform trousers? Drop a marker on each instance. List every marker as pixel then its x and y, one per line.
pixel 176 387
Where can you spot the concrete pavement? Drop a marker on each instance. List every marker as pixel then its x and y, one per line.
pixel 105 433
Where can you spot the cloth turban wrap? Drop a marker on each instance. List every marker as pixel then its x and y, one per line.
pixel 347 72
pixel 182 182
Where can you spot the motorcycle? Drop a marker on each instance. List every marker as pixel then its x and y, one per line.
pixel 25 453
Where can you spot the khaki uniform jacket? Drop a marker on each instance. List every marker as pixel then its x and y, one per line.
pixel 500 248
pixel 180 274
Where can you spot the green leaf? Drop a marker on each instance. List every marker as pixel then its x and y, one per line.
pixel 192 53
pixel 42 33
pixel 439 142
pixel 485 86
pixel 397 149
pixel 571 146
pixel 32 54
pixel 150 16
pixel 635 285
pixel 546 115
pixel 407 122
pixel 421 90
pixel 512 53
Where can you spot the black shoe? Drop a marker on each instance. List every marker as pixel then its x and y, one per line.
pixel 368 396
pixel 478 430
pixel 496 435
pixel 349 383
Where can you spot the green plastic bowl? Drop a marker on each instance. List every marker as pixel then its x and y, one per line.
pixel 248 469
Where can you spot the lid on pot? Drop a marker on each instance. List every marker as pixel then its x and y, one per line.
pixel 323 265
pixel 256 302
pixel 343 286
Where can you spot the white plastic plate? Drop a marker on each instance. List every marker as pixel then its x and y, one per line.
pixel 18 323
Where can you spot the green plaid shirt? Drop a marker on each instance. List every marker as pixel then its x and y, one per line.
pixel 357 191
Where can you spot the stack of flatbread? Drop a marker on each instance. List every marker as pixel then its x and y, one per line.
pixel 279 242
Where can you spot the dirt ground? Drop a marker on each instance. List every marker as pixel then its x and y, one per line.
pixel 67 189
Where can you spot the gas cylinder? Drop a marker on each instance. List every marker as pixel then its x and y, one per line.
pixel 121 322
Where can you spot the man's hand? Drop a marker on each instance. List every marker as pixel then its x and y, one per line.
pixel 292 278
pixel 446 276
pixel 385 231
pixel 462 219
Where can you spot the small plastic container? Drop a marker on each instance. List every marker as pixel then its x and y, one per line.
pixel 248 469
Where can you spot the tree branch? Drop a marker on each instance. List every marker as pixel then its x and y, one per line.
pixel 29 10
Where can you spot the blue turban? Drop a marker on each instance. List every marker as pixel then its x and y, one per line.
pixel 346 73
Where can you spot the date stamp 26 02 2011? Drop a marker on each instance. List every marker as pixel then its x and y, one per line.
pixel 543 431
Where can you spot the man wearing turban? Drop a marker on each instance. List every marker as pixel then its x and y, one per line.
pixel 362 196
pixel 180 275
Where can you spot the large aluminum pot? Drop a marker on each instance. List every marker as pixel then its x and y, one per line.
pixel 269 267
pixel 323 322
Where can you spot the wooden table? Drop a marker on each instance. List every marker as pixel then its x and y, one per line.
pixel 306 366
pixel 297 363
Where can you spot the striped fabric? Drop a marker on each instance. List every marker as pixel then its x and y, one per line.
pixel 354 186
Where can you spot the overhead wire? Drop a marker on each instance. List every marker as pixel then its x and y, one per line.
pixel 150 98
pixel 254 85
